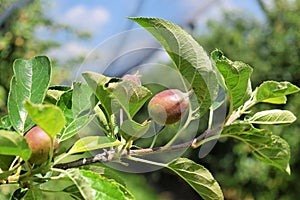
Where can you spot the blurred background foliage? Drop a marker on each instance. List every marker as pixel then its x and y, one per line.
pixel 18 24
pixel 271 47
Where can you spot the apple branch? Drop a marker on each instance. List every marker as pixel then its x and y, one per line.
pixel 109 155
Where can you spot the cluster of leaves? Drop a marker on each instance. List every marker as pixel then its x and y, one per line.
pixel 62 111
pixel 268 43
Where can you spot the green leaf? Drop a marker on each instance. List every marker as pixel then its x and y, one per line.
pixel 75 126
pixel 269 148
pixel 189 58
pixel 105 171
pixel 7 191
pixel 12 143
pixel 95 186
pixel 103 120
pixel 133 129
pixel 274 92
pixel 52 96
pixel 65 104
pixel 72 157
pixel 5 161
pixel 237 79
pixel 49 117
pixel 101 86
pixel 198 177
pixel 276 100
pixel 273 117
pixel 130 96
pixel 80 98
pixel 62 188
pixel 56 185
pixel 30 81
pixel 34 194
pixel 76 107
pixel 92 143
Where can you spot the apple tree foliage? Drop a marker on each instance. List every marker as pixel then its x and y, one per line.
pixel 71 172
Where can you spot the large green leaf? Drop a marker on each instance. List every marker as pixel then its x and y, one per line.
pixel 272 117
pixel 12 143
pixel 198 177
pixel 90 143
pixel 188 56
pixel 237 79
pixel 274 92
pixel 269 148
pixel 49 117
pixel 30 81
pixel 95 186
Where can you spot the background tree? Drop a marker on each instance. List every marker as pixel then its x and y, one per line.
pixel 272 48
pixel 18 24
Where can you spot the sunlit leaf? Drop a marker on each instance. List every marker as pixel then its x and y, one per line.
pixel 90 143
pixel 189 58
pixel 274 92
pixel 269 148
pixel 30 81
pixel 198 177
pixel 49 117
pixel 237 78
pixel 273 117
pixel 95 186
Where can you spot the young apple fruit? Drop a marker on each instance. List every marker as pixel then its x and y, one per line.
pixel 40 144
pixel 168 106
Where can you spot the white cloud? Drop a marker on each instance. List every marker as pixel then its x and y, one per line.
pixel 68 51
pixel 88 19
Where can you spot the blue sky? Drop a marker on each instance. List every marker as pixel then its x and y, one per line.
pixel 104 19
